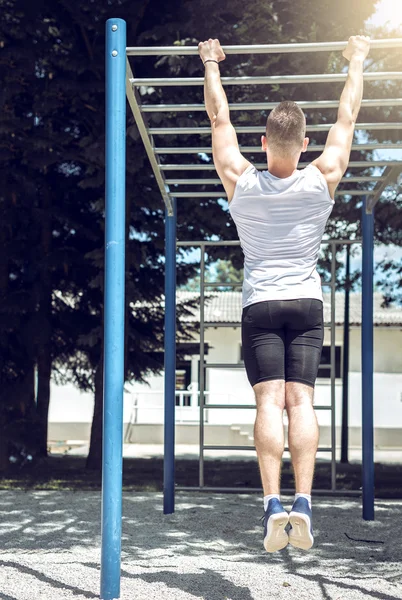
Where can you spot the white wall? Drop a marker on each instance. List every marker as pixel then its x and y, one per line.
pixel 387 349
pixel 69 405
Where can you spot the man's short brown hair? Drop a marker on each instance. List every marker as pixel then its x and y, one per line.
pixel 286 128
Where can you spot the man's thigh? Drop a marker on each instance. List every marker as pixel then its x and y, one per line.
pixel 303 345
pixel 263 344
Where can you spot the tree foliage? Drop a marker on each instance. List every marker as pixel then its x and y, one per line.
pixel 52 168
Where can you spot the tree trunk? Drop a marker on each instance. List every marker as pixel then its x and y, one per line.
pixel 44 333
pixel 43 397
pixel 94 459
pixel 26 393
pixel 4 280
pixel 3 452
pixel 18 425
pixel 3 440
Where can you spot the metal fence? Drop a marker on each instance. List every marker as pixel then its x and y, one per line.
pixel 208 365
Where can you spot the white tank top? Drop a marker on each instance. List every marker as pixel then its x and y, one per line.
pixel 280 222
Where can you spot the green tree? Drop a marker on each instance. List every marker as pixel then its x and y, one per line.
pixel 52 193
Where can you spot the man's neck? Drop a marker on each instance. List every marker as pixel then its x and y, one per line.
pixel 281 167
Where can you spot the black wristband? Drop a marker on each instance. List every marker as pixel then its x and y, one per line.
pixel 211 60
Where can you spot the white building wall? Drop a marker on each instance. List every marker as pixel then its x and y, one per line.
pixel 144 403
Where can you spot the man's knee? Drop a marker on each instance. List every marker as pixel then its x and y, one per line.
pixel 298 394
pixel 270 393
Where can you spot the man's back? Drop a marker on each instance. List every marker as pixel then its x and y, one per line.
pixel 280 222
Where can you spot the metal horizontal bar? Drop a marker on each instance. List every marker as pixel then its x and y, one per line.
pixel 208 243
pixel 236 325
pixel 223 194
pixel 264 80
pixel 247 448
pixel 304 104
pixel 224 365
pixel 193 181
pixel 257 149
pixel 223 284
pixel 217 181
pixel 213 324
pixel 250 490
pixel 180 50
pixel 243 406
pixel 260 130
pixel 193 243
pixel 323 449
pixel 241 366
pixel 359 164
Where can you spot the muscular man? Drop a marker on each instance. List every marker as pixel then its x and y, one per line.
pixel 280 215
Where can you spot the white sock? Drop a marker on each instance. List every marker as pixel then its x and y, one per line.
pixel 306 496
pixel 268 498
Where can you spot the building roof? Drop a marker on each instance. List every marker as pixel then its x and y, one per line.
pixel 225 308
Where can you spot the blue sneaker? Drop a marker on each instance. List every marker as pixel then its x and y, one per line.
pixel 275 520
pixel 300 519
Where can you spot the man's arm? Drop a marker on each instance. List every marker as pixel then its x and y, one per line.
pixel 334 160
pixel 228 160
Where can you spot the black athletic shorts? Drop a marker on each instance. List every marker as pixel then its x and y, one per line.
pixel 282 339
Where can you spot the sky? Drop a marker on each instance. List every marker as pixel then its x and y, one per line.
pixel 388 13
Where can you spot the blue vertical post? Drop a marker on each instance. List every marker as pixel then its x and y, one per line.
pixel 170 361
pixel 367 363
pixel 114 308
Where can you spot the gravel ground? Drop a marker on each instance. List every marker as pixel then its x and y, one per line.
pixel 211 548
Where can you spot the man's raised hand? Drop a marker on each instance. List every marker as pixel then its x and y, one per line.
pixel 211 50
pixel 358 47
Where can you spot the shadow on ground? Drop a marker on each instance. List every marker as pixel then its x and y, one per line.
pixel 211 548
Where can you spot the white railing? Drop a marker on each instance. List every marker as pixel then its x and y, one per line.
pixel 187 404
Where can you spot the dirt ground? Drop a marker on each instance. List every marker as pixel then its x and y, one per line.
pixel 210 548
pixel 69 472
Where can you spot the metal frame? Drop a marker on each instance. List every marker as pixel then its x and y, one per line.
pixel 391 174
pixel 203 245
pixel 120 82
pixel 259 130
pixel 367 362
pixel 265 80
pixel 257 149
pixel 170 360
pixel 222 194
pixel 260 48
pixel 304 104
pixel 182 181
pixel 112 458
pixel 354 164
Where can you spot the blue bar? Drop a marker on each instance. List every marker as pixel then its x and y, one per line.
pixel 114 308
pixel 170 361
pixel 367 364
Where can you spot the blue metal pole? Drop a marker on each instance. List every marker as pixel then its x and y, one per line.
pixel 367 363
pixel 170 361
pixel 112 466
